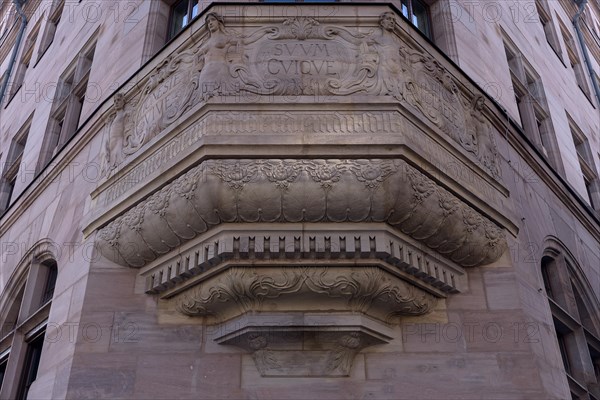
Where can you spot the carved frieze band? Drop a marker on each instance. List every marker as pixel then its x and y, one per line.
pixel 312 247
pixel 368 290
pixel 242 191
pixel 299 57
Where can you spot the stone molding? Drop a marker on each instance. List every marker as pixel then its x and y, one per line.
pixel 312 246
pixel 254 191
pixel 303 344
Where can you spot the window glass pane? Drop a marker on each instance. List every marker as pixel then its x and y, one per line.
pixel 546 266
pixel 50 283
pixel 420 18
pixel 179 17
pixel 595 355
pixel 405 8
pixel 562 335
pixel 3 364
pixel 563 352
pixel 10 188
pixel 195 8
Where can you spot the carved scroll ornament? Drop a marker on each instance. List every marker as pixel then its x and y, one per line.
pixel 240 191
pixel 367 290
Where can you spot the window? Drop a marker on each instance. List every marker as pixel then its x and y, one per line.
pixel 548 25
pixel 532 106
pixel 12 166
pixel 182 13
pixel 24 62
pixel 575 318
pixel 51 25
pixel 66 108
pixel 586 165
pixel 31 364
pixel 24 326
pixel 574 60
pixel 49 279
pixel 417 13
pixel 3 364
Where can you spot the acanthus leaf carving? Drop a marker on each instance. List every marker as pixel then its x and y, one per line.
pixel 364 290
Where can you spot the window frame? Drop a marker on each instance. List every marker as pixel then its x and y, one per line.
pixel 171 32
pixel 428 32
pixel 25 63
pixel 545 17
pixel 574 60
pixel 68 102
pixel 30 324
pixel 532 105
pixel 587 167
pixel 12 165
pixel 54 17
pixel 574 340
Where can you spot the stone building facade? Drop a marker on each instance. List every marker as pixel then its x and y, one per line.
pixel 329 200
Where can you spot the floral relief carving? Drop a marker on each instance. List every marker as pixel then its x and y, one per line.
pixel 300 27
pixel 324 172
pixel 372 174
pixel 246 290
pixel 281 172
pixel 376 190
pixel 236 175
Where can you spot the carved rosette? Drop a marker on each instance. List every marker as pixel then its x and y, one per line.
pixel 241 191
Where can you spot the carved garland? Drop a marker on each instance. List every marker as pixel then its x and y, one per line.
pixel 219 191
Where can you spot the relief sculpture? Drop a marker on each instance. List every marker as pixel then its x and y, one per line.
pixel 299 56
pixel 113 145
pixel 479 139
pixel 241 191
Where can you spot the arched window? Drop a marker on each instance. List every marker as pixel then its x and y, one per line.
pixel 24 310
pixel 576 318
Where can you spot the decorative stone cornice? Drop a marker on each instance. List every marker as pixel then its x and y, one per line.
pixel 309 244
pixel 249 191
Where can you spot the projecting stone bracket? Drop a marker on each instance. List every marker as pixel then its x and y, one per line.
pixel 373 272
pixel 303 302
pixel 298 344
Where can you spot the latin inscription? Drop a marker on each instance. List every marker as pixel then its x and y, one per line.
pixel 302 59
pixel 294 60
